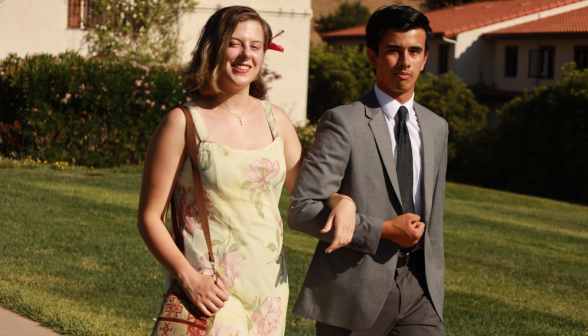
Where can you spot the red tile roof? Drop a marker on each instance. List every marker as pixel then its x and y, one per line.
pixel 570 22
pixel 454 20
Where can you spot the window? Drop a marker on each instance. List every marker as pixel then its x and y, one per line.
pixel 581 57
pixel 443 58
pixel 541 62
pixel 74 13
pixel 511 58
pixel 79 14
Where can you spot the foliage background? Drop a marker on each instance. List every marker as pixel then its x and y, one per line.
pixel 144 30
pixel 540 144
pixel 339 78
pixel 92 112
pixel 347 15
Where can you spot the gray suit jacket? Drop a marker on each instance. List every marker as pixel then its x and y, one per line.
pixel 352 154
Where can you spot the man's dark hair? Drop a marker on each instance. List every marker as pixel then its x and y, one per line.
pixel 402 18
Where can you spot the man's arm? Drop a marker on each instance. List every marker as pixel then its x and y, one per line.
pixel 321 175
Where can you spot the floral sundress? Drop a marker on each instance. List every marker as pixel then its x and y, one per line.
pixel 242 193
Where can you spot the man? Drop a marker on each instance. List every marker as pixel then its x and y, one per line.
pixel 389 154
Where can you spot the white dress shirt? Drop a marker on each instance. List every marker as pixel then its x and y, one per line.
pixel 390 108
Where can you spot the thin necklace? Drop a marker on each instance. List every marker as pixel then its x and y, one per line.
pixel 236 116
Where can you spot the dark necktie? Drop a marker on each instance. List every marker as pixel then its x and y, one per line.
pixel 404 162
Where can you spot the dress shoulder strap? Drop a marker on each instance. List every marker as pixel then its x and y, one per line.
pixel 269 114
pixel 200 128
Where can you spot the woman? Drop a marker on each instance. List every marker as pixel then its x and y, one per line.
pixel 248 151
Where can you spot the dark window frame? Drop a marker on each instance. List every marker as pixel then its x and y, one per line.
pixel 74 13
pixel 511 61
pixel 79 15
pixel 546 56
pixel 443 64
pixel 581 51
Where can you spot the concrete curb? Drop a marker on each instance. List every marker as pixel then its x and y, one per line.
pixel 12 324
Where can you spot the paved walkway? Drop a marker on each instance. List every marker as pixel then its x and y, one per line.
pixel 12 324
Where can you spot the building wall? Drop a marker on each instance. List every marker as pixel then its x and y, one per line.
pixel 40 26
pixel 432 64
pixel 564 53
pixel 37 26
pixel 290 91
pixel 327 7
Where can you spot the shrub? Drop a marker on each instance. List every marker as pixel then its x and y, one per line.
pixel 93 112
pixel 336 78
pixel 450 98
pixel 147 30
pixel 347 15
pixel 306 135
pixel 541 142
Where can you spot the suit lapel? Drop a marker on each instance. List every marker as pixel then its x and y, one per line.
pixel 382 136
pixel 428 160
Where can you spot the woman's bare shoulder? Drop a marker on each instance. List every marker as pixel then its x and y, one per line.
pixel 174 120
pixel 282 118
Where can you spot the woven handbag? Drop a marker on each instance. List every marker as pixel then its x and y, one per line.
pixel 178 315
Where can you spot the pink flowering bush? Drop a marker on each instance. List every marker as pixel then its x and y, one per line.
pixel 94 112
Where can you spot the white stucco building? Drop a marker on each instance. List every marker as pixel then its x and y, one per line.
pixel 53 26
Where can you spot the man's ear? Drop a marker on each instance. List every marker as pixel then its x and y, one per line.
pixel 373 57
pixel 425 61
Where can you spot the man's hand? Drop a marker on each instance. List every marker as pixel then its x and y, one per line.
pixel 405 230
pixel 343 218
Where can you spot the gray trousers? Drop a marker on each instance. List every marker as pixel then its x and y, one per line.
pixel 407 311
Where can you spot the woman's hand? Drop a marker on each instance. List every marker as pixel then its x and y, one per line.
pixel 207 296
pixel 343 218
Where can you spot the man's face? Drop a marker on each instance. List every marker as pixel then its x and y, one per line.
pixel 401 58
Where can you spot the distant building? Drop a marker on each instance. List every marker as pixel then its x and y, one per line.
pixel 54 26
pixel 501 48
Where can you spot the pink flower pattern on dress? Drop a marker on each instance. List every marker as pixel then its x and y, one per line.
pixel 261 172
pixel 227 269
pixel 267 319
pixel 190 213
pixel 223 329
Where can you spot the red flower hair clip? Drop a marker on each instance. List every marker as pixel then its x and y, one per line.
pixel 274 46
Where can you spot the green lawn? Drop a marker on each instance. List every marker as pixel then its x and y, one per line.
pixel 71 258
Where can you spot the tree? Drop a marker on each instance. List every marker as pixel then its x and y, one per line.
pixel 336 78
pixel 141 29
pixel 450 98
pixel 541 141
pixel 346 16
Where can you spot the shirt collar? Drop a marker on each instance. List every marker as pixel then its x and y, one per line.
pixel 390 105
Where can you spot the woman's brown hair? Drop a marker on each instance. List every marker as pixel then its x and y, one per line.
pixel 210 53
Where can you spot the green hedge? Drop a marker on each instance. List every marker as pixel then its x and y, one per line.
pixel 449 97
pixel 92 112
pixel 336 78
pixel 540 146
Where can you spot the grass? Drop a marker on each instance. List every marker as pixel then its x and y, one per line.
pixel 71 258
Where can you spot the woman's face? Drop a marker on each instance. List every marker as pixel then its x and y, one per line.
pixel 244 55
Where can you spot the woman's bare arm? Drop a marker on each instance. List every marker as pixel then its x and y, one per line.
pixel 164 158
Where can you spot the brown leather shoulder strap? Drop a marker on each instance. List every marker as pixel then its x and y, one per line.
pixel 197 180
